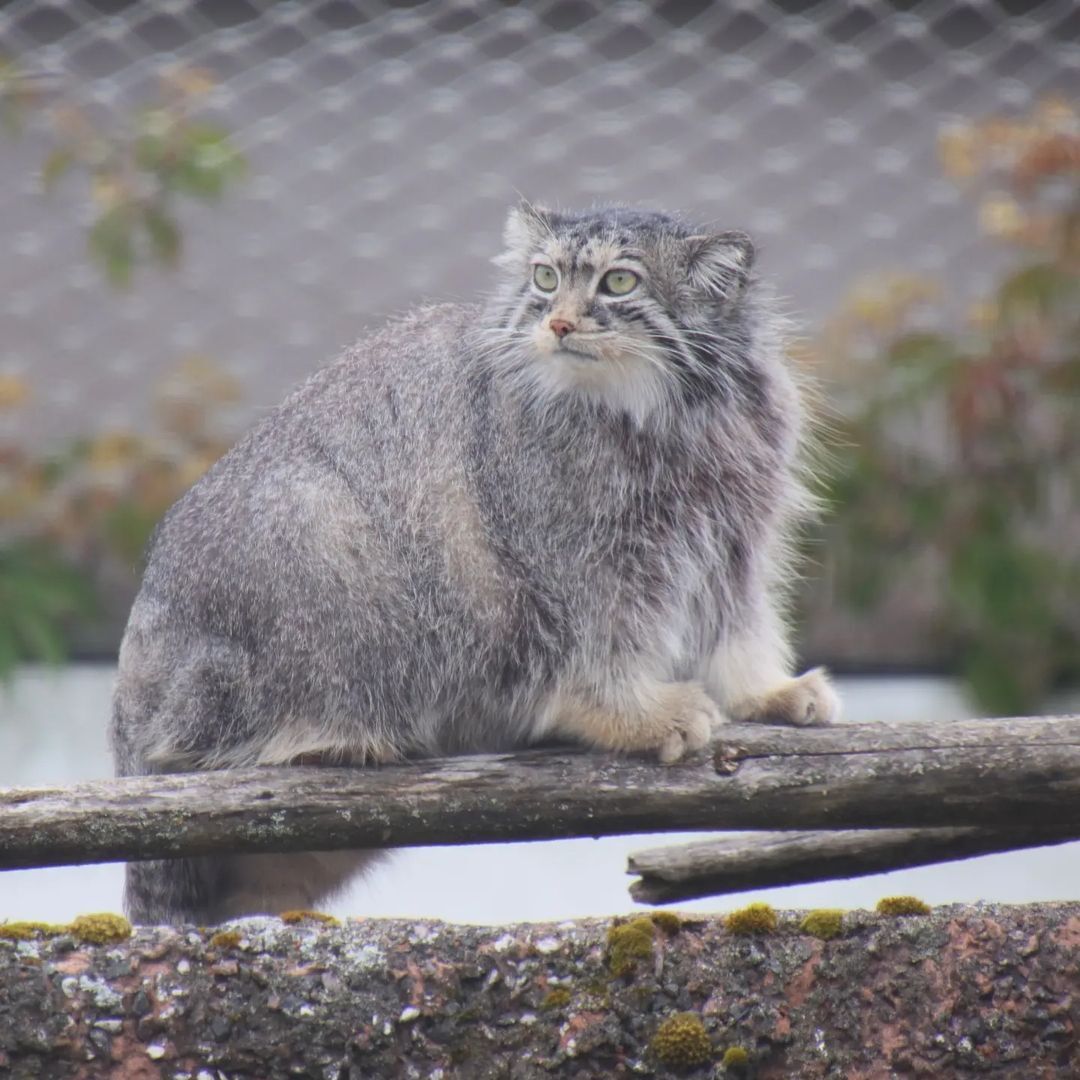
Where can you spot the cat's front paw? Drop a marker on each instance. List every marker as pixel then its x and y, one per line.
pixel 808 701
pixel 666 720
pixel 684 720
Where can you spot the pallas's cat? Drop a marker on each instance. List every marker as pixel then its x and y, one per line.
pixel 563 512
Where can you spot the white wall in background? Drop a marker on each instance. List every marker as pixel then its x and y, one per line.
pixel 52 731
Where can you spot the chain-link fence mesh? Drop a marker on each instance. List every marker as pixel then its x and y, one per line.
pixel 384 143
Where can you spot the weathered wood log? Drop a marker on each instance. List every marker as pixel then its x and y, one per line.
pixel 759 860
pixel 988 773
pixel 963 992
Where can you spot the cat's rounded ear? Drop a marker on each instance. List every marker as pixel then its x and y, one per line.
pixel 719 264
pixel 527 225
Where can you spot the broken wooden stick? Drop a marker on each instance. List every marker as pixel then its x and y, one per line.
pixel 761 860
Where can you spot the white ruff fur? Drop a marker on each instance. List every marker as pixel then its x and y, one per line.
pixel 630 382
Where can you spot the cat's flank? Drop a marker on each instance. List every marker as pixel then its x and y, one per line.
pixel 563 512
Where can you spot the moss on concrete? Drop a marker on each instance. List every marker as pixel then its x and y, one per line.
pixel 294 918
pixel 736 1059
pixel 902 905
pixel 628 943
pixel 824 923
pixel 226 939
pixel 557 998
pixel 667 921
pixel 752 919
pixel 27 930
pixel 99 929
pixel 681 1042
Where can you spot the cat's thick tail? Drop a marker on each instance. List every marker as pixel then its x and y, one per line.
pixel 209 889
pixel 212 888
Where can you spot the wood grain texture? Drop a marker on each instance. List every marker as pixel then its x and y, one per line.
pixel 760 860
pixel 1019 773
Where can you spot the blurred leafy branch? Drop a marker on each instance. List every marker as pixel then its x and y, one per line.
pixel 85 511
pixel 137 168
pixel 962 450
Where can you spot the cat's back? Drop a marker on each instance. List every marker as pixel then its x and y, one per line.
pixel 388 393
pixel 398 373
pixel 339 458
pixel 281 582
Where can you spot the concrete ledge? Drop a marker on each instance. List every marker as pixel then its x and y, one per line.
pixel 964 991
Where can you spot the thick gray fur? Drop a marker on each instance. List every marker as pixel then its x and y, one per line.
pixel 469 533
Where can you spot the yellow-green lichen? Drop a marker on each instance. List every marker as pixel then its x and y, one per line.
pixel 557 998
pixel 299 916
pixel 736 1058
pixel 824 923
pixel 100 929
pixel 24 931
pixel 752 919
pixel 629 942
pixel 681 1042
pixel 667 921
pixel 902 905
pixel 226 939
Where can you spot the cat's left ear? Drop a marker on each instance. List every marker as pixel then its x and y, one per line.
pixel 719 264
pixel 527 226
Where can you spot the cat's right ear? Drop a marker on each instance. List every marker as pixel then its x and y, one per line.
pixel 720 263
pixel 527 226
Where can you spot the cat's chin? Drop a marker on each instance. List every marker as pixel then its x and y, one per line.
pixel 623 383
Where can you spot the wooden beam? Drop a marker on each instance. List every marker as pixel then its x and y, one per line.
pixel 987 773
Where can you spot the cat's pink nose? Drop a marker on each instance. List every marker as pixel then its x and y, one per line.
pixel 560 327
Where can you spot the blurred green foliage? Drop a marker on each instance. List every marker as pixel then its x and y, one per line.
pixel 85 510
pixel 962 451
pixel 41 592
pixel 93 503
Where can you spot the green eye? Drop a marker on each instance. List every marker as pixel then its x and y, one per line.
pixel 545 278
pixel 619 282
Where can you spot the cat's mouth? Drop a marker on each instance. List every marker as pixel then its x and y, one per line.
pixel 566 350
pixel 584 346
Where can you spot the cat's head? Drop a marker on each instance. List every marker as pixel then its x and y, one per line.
pixel 634 309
